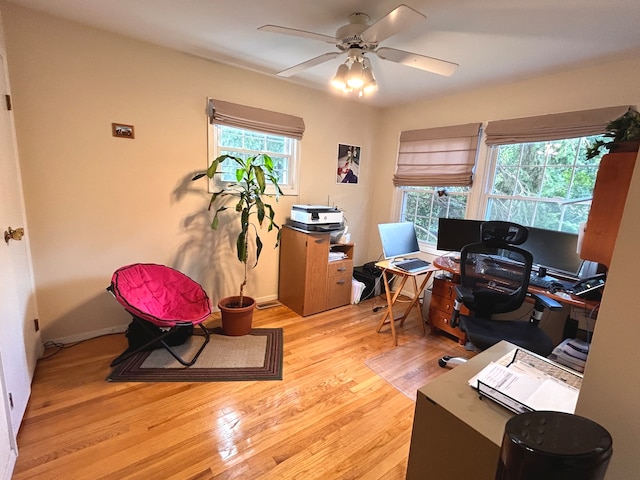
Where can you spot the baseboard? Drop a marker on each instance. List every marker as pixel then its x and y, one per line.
pixel 122 328
pixel 89 335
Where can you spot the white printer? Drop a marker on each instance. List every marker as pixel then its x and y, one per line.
pixel 316 217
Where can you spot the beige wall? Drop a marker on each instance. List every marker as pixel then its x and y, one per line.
pixel 96 202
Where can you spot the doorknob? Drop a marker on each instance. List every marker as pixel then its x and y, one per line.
pixel 11 234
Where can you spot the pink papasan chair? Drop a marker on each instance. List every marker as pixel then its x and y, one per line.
pixel 165 304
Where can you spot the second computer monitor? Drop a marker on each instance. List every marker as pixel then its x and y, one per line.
pixel 398 239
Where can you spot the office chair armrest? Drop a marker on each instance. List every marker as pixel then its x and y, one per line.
pixel 545 302
pixel 463 294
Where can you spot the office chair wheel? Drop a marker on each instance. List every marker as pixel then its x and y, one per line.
pixel 450 362
pixel 443 361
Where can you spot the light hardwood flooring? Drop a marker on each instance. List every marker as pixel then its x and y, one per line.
pixel 331 417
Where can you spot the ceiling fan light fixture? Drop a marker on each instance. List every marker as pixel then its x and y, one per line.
pixel 355 80
pixel 340 79
pixel 369 81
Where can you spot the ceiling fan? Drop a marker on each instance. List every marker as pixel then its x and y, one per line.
pixel 359 38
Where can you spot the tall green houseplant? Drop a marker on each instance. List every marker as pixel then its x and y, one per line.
pixel 251 176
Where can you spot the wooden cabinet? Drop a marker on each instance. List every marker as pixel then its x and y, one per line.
pixel 443 296
pixel 310 283
pixel 609 198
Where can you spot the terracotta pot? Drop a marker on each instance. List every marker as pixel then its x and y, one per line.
pixel 236 320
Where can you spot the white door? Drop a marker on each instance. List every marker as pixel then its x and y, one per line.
pixel 20 344
pixel 8 448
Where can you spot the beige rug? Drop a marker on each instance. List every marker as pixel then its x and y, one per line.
pixel 257 356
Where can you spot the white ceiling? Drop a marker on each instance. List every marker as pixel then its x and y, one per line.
pixel 493 41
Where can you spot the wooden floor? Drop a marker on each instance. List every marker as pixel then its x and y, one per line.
pixel 331 417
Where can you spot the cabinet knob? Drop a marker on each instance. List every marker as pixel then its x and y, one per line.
pixel 340 282
pixel 342 269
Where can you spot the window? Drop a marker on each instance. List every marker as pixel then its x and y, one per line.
pixel 545 184
pixel 434 173
pixel 246 143
pixel 424 205
pixel 244 131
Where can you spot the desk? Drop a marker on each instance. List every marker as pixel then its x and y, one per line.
pixel 455 433
pixel 449 265
pixel 391 299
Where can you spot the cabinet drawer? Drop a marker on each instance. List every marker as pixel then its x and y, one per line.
pixel 439 320
pixel 444 288
pixel 338 290
pixel 342 267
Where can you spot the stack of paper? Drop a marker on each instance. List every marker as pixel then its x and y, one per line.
pixel 522 387
pixel 335 256
pixel 572 352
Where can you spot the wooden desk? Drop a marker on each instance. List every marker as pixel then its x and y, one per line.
pixel 455 433
pixel 448 264
pixel 391 299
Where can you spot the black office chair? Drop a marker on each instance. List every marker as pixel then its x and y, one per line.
pixel 494 278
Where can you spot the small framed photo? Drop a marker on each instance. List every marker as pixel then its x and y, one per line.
pixel 122 130
pixel 348 164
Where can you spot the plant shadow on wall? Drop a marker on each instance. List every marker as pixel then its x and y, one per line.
pixel 243 199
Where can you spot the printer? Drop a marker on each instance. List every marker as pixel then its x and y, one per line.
pixel 316 217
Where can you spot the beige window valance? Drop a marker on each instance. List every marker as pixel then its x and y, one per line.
pixel 442 156
pixel 251 118
pixel 555 126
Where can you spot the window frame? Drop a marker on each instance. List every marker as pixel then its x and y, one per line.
pixel 214 149
pixel 401 191
pixel 490 175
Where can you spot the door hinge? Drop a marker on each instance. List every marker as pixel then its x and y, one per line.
pixel 10 400
pixel 36 324
pixel 8 100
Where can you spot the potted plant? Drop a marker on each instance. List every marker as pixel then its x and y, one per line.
pixel 623 132
pixel 248 190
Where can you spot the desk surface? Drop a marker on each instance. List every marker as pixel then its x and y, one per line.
pixel 452 392
pixel 385 265
pixel 448 264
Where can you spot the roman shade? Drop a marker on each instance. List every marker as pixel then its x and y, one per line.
pixel 251 118
pixel 442 156
pixel 555 126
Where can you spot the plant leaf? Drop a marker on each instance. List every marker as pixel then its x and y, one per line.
pixel 258 248
pixel 260 178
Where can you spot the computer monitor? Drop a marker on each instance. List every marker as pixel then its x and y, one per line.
pixel 553 250
pixel 398 239
pixel 455 233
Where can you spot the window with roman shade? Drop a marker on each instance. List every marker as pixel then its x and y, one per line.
pixel 437 156
pixel 539 173
pixel 252 118
pixel 244 131
pixel 556 126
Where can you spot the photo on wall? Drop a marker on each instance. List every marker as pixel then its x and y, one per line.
pixel 348 163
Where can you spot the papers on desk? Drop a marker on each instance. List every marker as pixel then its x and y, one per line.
pixel 524 382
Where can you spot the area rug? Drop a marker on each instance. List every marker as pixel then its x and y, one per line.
pixel 410 366
pixel 257 356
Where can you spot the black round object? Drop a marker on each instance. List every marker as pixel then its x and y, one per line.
pixel 553 446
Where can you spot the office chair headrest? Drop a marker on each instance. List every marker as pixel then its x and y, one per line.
pixel 500 233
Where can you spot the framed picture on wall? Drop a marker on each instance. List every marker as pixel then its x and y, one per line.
pixel 348 164
pixel 121 130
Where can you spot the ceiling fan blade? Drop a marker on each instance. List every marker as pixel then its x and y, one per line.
pixel 401 18
pixel 429 64
pixel 298 33
pixel 308 64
